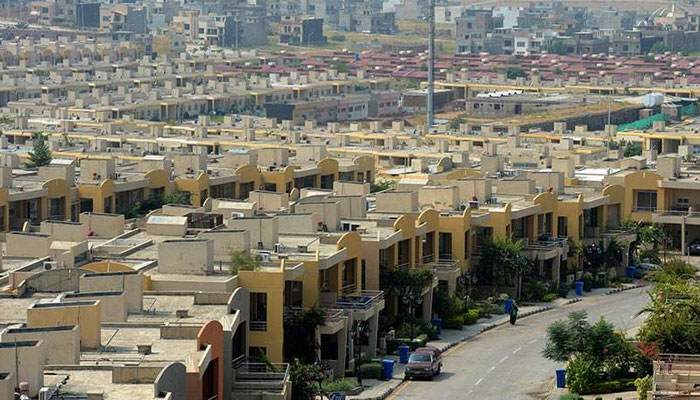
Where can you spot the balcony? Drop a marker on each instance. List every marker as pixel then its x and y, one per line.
pixel 447 269
pixel 365 300
pixel 546 249
pixel 621 235
pixel 349 288
pixel 270 380
pixel 676 217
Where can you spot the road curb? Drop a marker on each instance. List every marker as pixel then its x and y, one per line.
pixel 485 328
pixel 624 288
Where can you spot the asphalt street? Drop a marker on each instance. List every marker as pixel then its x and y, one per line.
pixel 507 362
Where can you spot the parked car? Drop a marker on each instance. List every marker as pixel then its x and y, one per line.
pixel 694 248
pixel 644 268
pixel 422 365
pixel 437 354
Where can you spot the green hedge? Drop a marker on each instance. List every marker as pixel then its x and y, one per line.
pixel 550 297
pixel 454 323
pixel 371 371
pixel 622 385
pixel 471 316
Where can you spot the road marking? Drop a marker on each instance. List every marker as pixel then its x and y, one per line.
pixel 503 359
pixel 398 390
pixel 491 369
pixel 478 382
pixel 532 341
pixel 517 350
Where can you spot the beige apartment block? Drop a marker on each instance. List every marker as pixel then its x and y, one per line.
pixel 86 315
pixel 186 256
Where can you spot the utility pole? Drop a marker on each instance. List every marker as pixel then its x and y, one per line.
pixel 431 63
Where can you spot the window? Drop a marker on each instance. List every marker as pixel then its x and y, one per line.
pixel 645 201
pixel 258 311
pixel 682 203
pixel 293 293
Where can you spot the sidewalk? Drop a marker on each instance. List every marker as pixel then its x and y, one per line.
pixel 378 390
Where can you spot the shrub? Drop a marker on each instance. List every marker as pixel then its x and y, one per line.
pixel 587 280
pixel 371 371
pixel 563 290
pixel 569 396
pixel 550 297
pixel 643 386
pixel 338 38
pixel 495 309
pixel 581 374
pixel 534 290
pixel 610 387
pixel 340 385
pixel 470 317
pixel 454 323
pixel 419 328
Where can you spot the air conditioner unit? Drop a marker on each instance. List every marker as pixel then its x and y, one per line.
pixel 237 215
pixel 264 256
pixel 46 393
pixel 279 247
pixel 49 265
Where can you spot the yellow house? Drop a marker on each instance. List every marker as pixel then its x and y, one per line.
pixel 198 187
pixel 642 194
pixel 97 196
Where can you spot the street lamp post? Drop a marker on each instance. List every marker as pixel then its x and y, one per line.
pixel 411 297
pixel 466 279
pixel 356 332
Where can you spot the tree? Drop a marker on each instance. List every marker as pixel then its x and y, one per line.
pixel 40 154
pixel 594 353
pixel 515 72
pixel 179 197
pixel 673 318
pixel 501 263
pixel 303 378
pixel 380 186
pixel 300 334
pixel 658 48
pixel 632 149
pixel 456 122
pixel 243 260
pixel 558 47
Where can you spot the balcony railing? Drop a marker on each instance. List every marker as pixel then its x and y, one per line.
pixel 404 266
pixel 258 326
pixel 260 377
pixel 333 315
pixel 428 258
pixel 363 301
pixel 349 288
pixel 446 264
pixel 544 244
pixel 644 209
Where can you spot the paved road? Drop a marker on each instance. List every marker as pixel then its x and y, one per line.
pixel 506 362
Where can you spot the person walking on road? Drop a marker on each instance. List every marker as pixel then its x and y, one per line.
pixel 513 314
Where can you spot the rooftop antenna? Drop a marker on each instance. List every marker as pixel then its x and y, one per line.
pixel 431 63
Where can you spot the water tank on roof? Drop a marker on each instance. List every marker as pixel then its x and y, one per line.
pixel 652 99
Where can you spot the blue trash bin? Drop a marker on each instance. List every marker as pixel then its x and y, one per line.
pixel 387 368
pixel 631 271
pixel 561 378
pixel 403 353
pixel 508 305
pixel 579 288
pixel 437 323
